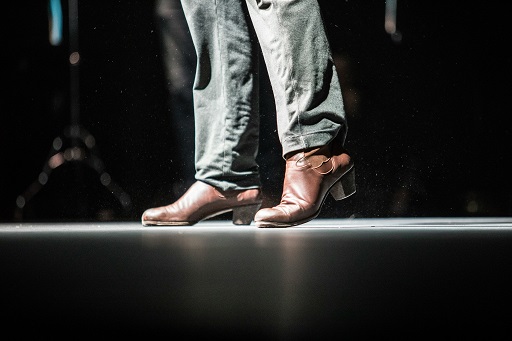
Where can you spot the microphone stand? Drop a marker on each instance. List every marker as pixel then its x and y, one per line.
pixel 76 144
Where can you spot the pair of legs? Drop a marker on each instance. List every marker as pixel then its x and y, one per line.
pixel 309 111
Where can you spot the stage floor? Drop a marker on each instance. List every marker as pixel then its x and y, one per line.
pixel 414 278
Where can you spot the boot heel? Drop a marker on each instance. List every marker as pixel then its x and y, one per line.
pixel 244 215
pixel 346 186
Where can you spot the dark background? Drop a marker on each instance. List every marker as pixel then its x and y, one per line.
pixel 428 113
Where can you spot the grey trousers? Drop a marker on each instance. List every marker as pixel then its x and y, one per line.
pixel 305 85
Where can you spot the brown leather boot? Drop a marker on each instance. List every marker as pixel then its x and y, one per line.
pixel 202 201
pixel 309 177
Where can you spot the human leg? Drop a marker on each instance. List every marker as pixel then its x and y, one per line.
pixel 310 116
pixel 226 118
pixel 306 88
pixel 225 94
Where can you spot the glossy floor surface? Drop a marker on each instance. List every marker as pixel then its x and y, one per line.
pixel 355 279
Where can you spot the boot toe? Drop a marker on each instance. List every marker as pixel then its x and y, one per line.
pixel 148 216
pixel 272 217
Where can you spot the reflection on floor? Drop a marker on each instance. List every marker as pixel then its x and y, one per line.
pixel 356 278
